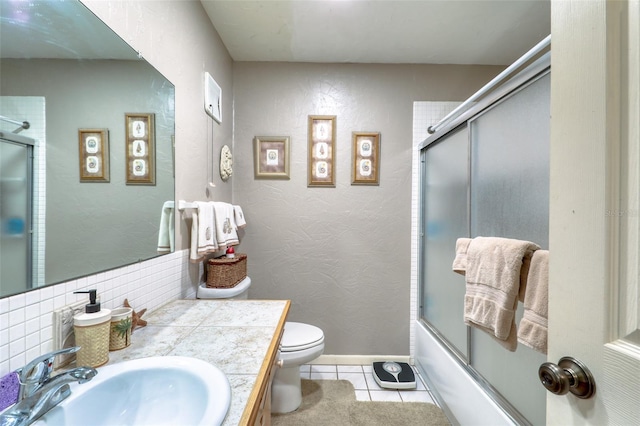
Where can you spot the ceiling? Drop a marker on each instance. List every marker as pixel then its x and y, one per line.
pixel 488 32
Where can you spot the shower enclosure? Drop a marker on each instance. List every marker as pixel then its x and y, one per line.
pixel 16 195
pixel 486 174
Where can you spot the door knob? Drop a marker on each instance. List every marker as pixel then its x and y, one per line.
pixel 568 375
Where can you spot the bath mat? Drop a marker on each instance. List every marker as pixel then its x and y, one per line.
pixel 333 402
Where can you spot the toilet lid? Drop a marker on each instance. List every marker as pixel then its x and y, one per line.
pixel 298 336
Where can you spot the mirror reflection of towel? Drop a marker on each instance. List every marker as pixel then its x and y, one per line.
pixel 166 242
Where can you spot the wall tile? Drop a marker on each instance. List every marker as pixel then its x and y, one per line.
pixel 26 320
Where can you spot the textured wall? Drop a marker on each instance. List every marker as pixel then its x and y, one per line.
pixel 342 255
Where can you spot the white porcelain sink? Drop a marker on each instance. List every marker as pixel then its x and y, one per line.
pixel 148 391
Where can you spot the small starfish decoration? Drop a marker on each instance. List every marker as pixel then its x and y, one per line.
pixel 136 317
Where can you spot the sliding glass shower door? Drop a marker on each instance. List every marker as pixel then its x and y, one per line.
pixel 487 177
pixel 16 171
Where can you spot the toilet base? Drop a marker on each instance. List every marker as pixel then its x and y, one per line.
pixel 286 391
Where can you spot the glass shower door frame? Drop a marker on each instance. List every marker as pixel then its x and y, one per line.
pixel 28 144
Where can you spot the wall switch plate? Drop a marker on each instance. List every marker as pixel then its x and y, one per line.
pixel 63 335
pixel 212 98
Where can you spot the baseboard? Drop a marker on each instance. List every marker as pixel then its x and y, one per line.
pixel 358 359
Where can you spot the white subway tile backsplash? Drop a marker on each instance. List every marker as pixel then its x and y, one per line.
pixel 26 320
pixel 32 326
pixel 17 301
pixel 32 311
pixel 16 346
pixel 33 297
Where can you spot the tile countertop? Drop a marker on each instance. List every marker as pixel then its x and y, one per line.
pixel 234 335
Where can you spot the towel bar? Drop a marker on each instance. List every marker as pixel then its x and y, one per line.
pixel 183 205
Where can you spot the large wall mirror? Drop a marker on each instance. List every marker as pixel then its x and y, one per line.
pixel 84 187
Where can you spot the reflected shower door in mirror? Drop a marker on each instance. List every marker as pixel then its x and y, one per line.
pixel 64 70
pixel 16 183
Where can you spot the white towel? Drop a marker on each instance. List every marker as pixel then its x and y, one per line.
pixel 225 225
pixel 239 216
pixel 532 330
pixel 492 286
pixel 166 242
pixel 203 231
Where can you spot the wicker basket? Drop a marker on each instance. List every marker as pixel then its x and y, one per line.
pixel 94 343
pixel 223 272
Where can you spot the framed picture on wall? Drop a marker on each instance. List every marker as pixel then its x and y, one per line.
pixel 271 157
pixel 321 151
pixel 365 154
pixel 93 146
pixel 140 148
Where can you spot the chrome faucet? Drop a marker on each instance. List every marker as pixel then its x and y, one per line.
pixel 33 375
pixel 53 391
pixel 39 391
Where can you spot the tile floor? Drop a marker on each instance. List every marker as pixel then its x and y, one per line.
pixel 367 389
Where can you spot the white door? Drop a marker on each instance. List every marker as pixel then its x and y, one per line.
pixel 594 213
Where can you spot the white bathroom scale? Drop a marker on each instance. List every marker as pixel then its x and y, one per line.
pixel 394 375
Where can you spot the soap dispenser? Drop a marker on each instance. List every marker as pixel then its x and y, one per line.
pixel 91 329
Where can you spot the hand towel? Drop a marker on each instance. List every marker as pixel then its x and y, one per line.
pixel 225 225
pixel 203 231
pixel 460 261
pixel 239 217
pixel 167 224
pixel 493 284
pixel 532 330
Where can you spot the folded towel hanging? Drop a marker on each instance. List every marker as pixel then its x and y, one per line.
pixel 239 217
pixel 492 277
pixel 460 261
pixel 225 225
pixel 203 231
pixel 166 242
pixel 532 330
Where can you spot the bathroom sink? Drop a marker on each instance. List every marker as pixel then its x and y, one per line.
pixel 147 391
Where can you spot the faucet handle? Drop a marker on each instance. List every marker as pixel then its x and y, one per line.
pixel 39 369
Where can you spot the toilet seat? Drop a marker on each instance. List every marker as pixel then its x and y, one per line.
pixel 298 337
pixel 300 344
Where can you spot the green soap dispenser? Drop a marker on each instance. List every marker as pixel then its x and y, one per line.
pixel 91 330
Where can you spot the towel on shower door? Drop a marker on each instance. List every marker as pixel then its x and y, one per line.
pixel 167 224
pixel 492 280
pixel 225 225
pixel 203 231
pixel 532 330
pixel 460 261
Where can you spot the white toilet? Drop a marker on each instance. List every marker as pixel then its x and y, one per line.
pixel 300 344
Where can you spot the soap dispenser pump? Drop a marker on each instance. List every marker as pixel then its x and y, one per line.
pixel 93 306
pixel 92 333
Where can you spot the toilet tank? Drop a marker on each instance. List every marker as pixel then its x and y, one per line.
pixel 239 292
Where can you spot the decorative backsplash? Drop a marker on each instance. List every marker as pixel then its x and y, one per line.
pixel 26 320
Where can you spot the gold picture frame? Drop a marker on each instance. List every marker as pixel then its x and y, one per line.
pixel 365 165
pixel 93 146
pixel 271 157
pixel 321 151
pixel 140 148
